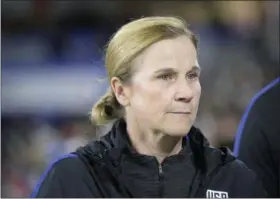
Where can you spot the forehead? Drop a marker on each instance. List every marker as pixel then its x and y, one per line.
pixel 178 53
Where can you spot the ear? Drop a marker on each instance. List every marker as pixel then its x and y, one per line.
pixel 120 91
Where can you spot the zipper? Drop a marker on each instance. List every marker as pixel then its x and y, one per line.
pixel 160 172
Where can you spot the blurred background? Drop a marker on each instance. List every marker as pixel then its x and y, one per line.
pixel 52 71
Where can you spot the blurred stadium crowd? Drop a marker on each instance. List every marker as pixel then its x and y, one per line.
pixel 52 62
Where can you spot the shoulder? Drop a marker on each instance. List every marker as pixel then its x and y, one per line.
pixel 259 125
pixel 266 98
pixel 66 164
pixel 62 167
pixel 243 175
pixel 238 169
pixel 232 176
pixel 224 163
pixel 61 176
pixel 240 180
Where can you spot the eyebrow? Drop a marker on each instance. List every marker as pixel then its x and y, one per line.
pixel 166 70
pixel 196 67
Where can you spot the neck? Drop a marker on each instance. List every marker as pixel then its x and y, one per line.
pixel 153 143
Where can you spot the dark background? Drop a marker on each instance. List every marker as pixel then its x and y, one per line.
pixel 52 71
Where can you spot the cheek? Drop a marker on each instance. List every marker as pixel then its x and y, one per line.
pixel 198 90
pixel 148 97
pixel 197 93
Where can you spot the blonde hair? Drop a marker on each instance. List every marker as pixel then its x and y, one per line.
pixel 127 43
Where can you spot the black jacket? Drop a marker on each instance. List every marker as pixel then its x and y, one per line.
pixel 258 138
pixel 111 168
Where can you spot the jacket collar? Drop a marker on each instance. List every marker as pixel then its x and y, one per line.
pixel 120 138
pixel 193 145
pixel 116 143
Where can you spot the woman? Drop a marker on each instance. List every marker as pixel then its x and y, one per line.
pixel 153 149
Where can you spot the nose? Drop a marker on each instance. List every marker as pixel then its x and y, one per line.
pixel 184 92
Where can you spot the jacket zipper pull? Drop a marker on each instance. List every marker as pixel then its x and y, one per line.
pixel 160 171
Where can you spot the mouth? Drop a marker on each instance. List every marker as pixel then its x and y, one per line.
pixel 181 112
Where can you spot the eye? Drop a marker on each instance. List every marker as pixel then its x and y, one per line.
pixel 166 76
pixel 193 75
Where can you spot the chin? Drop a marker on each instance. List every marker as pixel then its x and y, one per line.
pixel 178 130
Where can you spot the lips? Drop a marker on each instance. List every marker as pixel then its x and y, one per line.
pixel 181 112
